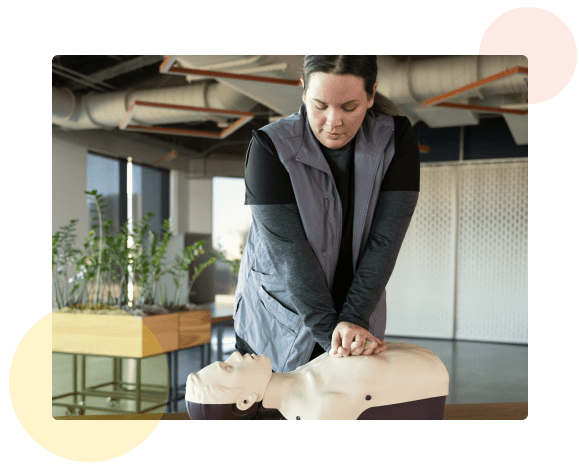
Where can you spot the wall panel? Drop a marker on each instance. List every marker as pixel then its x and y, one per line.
pixel 419 294
pixel 464 259
pixel 492 253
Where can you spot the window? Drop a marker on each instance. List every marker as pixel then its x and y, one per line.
pixel 231 222
pixel 150 194
pixel 109 177
pixel 150 191
pixel 113 178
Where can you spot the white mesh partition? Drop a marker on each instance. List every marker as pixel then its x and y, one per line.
pixel 419 294
pixel 485 289
pixel 492 253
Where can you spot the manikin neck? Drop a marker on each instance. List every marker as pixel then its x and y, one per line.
pixel 280 389
pixel 284 387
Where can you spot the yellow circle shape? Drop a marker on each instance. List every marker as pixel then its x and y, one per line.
pixel 31 396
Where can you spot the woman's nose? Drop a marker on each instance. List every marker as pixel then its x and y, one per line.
pixel 333 118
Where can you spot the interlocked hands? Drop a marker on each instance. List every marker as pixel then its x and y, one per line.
pixel 351 339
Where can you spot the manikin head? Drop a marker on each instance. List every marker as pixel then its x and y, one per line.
pixel 239 380
pixel 338 91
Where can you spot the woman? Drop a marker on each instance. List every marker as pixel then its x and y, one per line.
pixel 405 381
pixel 332 190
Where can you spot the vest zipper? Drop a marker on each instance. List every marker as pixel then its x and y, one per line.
pixel 326 208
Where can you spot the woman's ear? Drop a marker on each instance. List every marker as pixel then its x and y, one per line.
pixel 303 90
pixel 371 102
pixel 246 401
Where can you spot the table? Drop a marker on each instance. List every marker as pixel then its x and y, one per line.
pixel 471 411
pixel 155 393
pixel 221 315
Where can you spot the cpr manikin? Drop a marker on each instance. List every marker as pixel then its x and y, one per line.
pixel 404 381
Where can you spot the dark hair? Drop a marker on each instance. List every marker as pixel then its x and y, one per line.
pixel 365 67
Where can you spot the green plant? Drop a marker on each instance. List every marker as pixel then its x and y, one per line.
pixel 154 258
pixel 235 263
pixel 183 262
pixel 152 274
pixel 107 258
pixel 63 254
pixel 144 262
pixel 98 199
pixel 116 258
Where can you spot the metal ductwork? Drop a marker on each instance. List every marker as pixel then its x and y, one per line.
pixel 106 110
pixel 409 83
pixel 406 83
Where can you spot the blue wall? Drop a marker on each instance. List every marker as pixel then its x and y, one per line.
pixel 491 138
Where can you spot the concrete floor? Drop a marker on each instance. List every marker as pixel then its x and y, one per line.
pixel 480 372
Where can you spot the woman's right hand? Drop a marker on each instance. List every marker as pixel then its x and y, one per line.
pixel 357 337
pixel 369 348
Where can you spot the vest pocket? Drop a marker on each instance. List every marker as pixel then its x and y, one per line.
pixel 269 279
pixel 281 314
pixel 236 305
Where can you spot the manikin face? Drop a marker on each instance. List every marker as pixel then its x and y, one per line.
pixel 336 106
pixel 240 379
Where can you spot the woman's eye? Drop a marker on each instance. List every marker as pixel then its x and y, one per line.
pixel 347 110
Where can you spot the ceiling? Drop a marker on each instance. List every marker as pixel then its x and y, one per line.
pixel 142 72
pixel 102 75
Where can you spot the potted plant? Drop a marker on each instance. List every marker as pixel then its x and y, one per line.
pixel 99 289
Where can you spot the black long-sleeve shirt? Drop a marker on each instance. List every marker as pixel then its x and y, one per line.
pixel 355 293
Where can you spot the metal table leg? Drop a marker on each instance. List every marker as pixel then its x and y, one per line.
pixel 169 356
pixel 138 390
pixel 174 382
pixel 83 380
pixel 115 376
pixel 219 342
pixel 74 378
pixel 169 378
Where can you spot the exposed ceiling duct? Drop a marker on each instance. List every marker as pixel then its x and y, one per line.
pixel 283 99
pixel 406 83
pixel 409 83
pixel 106 110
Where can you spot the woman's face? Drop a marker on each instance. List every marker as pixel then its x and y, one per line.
pixel 243 374
pixel 336 106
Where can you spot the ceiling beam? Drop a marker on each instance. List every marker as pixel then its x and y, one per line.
pixel 123 68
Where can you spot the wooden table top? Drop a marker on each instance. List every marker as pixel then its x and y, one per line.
pixel 220 312
pixel 471 411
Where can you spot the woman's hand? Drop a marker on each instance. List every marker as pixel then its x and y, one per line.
pixel 351 339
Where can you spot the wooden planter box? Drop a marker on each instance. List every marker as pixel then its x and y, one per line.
pixel 127 335
pixel 194 328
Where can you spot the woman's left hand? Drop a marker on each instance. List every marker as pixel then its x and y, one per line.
pixel 351 339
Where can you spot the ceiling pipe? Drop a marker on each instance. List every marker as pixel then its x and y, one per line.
pixel 63 105
pixel 409 83
pixel 107 110
pixel 228 64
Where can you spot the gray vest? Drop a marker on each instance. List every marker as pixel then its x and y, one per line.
pixel 264 315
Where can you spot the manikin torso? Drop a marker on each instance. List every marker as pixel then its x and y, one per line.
pixel 338 387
